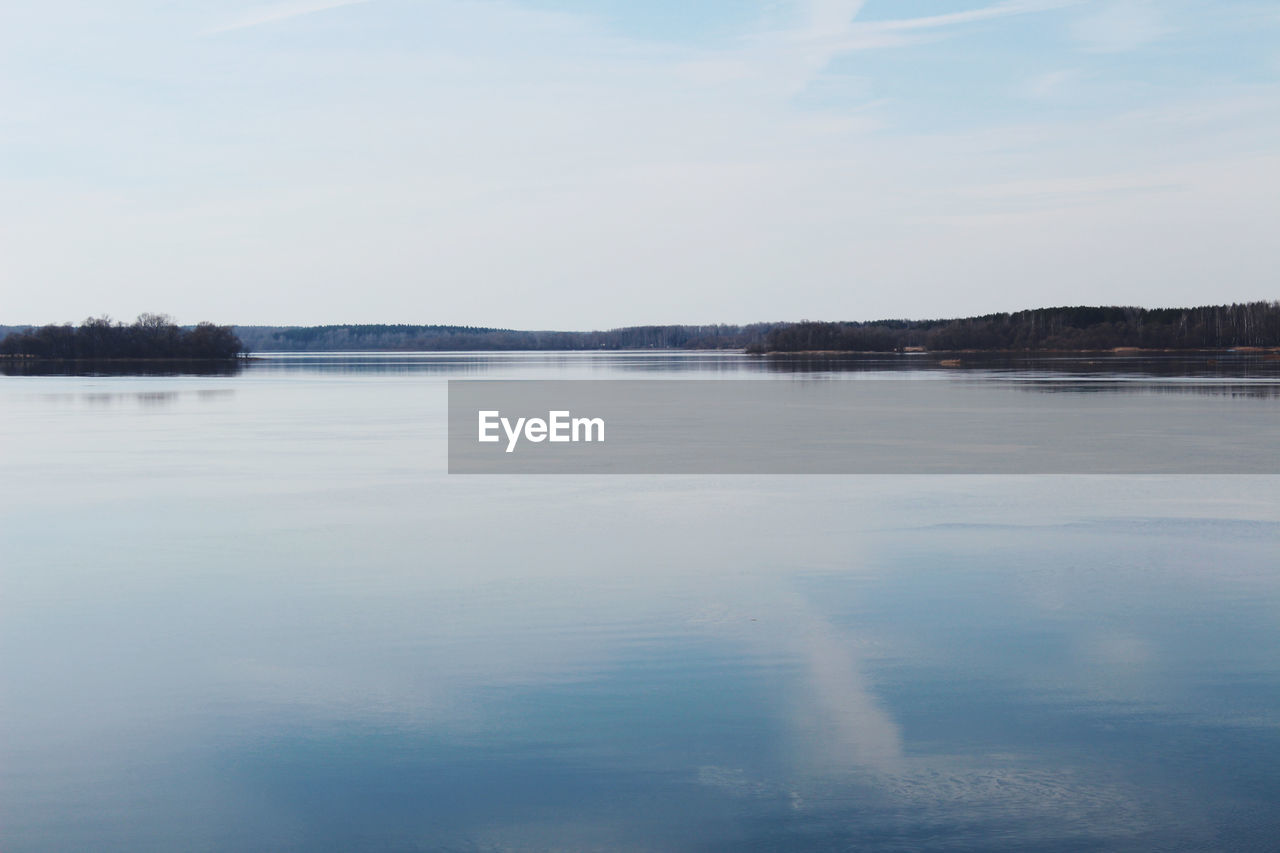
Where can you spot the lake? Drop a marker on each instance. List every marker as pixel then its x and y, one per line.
pixel 251 612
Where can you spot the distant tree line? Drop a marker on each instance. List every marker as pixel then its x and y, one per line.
pixel 1254 324
pixel 152 336
pixel 155 336
pixel 436 338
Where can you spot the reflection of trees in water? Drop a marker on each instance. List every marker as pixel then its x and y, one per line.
pixel 1235 389
pixel 738 365
pixel 1062 373
pixel 89 367
pixel 104 399
pixel 145 398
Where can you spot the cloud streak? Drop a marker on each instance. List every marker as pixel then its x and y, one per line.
pixel 986 13
pixel 1121 27
pixel 277 12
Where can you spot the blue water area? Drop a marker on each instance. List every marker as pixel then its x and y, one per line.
pixel 249 611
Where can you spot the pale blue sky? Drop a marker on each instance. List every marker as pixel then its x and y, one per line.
pixel 576 164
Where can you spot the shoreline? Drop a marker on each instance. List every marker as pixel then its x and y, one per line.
pixel 1032 352
pixel 122 360
pixel 251 356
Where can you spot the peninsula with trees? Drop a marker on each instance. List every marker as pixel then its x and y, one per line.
pixel 153 337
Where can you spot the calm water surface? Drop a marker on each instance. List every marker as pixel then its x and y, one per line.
pixel 251 613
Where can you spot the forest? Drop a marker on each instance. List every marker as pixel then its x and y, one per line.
pixel 436 338
pixel 1253 324
pixel 152 336
pixel 156 336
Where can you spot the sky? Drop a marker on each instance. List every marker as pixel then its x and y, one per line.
pixel 578 164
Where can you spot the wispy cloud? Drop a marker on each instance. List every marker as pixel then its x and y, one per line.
pixel 907 32
pixel 277 12
pixel 968 16
pixel 793 56
pixel 830 29
pixel 825 18
pixel 1050 84
pixel 1122 26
